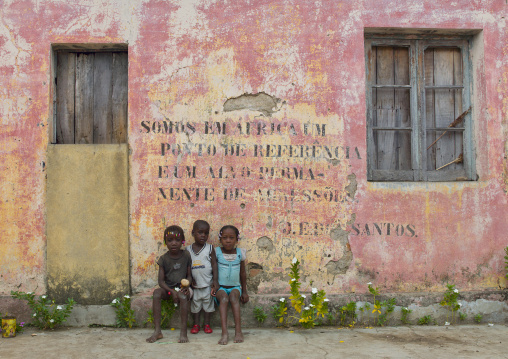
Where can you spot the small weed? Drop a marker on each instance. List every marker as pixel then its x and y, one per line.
pixel 260 315
pixel 405 315
pixel 124 312
pixel 329 318
pixel 348 315
pixel 425 320
pixel 478 318
pixel 462 316
pixel 46 314
pixel 280 311
pixel 450 300
pixel 307 315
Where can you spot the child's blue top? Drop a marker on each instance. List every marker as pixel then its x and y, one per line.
pixel 229 271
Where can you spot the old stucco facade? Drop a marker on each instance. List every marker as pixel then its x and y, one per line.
pixel 288 166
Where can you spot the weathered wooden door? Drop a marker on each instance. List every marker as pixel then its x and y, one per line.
pixel 87 179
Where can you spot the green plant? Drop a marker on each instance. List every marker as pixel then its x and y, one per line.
pixel 260 315
pixel 425 320
pixel 389 306
pixel 329 318
pixel 405 315
pixel 318 306
pixel 377 305
pixel 280 311
pixel 450 300
pixel 348 314
pixel 124 312
pixel 45 313
pixel 168 308
pixel 382 309
pixel 462 316
pixel 478 318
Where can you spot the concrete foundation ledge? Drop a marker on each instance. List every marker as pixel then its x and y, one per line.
pixel 491 305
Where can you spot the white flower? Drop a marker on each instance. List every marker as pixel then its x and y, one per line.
pixel 59 307
pixel 370 283
pixel 490 325
pixel 294 260
pixel 460 304
pixel 326 300
pixel 447 323
pixel 314 290
pixel 304 296
pixel 114 301
pixel 311 305
pixel 43 297
pixel 35 314
pixel 292 280
pixel 306 308
pixel 126 296
pixel 51 320
pixel 282 299
pixel 28 292
pixel 177 289
pixel 455 291
pixel 176 305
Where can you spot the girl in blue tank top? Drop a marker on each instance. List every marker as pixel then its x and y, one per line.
pixel 232 281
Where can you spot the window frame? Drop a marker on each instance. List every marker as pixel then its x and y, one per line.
pixel 417 44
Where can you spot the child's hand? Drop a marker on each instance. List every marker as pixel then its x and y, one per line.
pixel 185 291
pixel 174 295
pixel 215 288
pixel 244 298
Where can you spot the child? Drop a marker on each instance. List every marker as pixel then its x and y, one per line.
pixel 232 281
pixel 174 266
pixel 204 275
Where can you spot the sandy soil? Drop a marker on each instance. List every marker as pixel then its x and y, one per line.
pixel 480 341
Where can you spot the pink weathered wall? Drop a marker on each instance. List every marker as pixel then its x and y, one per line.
pixel 186 59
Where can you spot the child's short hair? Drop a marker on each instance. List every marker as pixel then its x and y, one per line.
pixel 200 222
pixel 177 230
pixel 237 232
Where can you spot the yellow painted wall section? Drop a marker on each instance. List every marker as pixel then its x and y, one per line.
pixel 87 212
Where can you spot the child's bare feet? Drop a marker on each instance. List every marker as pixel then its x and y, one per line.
pixel 224 339
pixel 239 337
pixel 183 337
pixel 155 336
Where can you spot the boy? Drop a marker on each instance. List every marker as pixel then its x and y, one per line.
pixel 204 275
pixel 174 266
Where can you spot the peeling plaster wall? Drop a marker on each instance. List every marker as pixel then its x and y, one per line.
pixel 196 63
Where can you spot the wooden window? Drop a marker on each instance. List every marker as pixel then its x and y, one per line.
pixel 91 97
pixel 418 109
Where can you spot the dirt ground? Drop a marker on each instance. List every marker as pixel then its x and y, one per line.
pixel 481 341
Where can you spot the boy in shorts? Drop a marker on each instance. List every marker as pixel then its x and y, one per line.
pixel 204 275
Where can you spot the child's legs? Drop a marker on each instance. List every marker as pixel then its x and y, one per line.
pixel 184 311
pixel 223 300
pixel 158 295
pixel 207 304
pixel 195 307
pixel 234 299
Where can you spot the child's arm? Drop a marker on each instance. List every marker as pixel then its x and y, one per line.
pixel 243 281
pixel 189 278
pixel 215 274
pixel 164 286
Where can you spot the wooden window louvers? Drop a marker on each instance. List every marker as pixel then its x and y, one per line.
pixel 418 109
